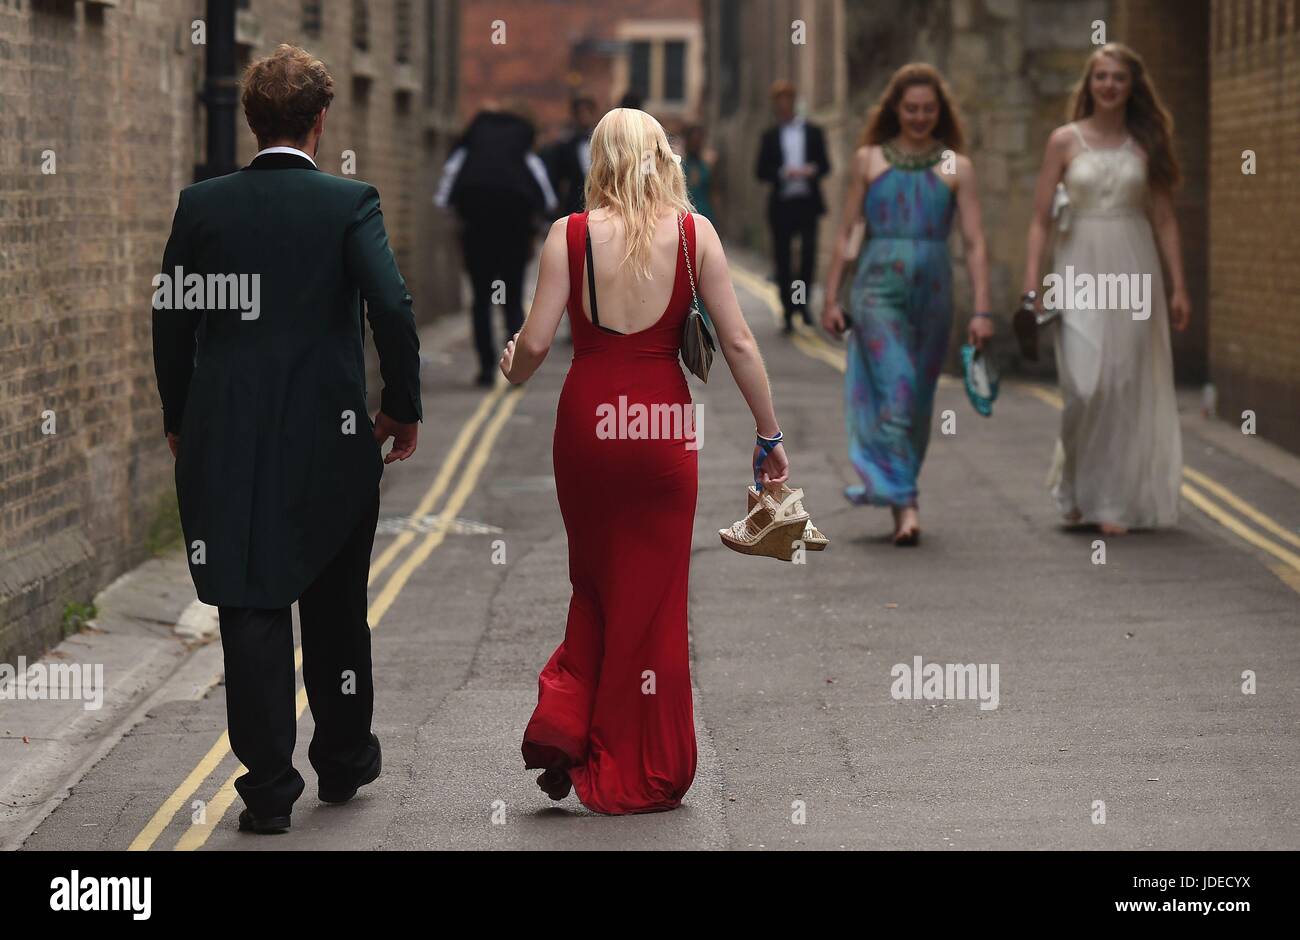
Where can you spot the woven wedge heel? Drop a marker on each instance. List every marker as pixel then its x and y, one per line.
pixel 770 529
pixel 813 539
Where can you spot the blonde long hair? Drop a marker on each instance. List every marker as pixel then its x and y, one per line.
pixel 1146 116
pixel 635 176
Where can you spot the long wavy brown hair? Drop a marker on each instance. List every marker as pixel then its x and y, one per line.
pixel 883 124
pixel 1146 116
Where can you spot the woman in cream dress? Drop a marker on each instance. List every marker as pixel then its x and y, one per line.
pixel 1119 457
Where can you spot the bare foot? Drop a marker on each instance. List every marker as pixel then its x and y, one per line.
pixel 907 526
pixel 1108 528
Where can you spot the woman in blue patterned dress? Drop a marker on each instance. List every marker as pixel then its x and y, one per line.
pixel 908 179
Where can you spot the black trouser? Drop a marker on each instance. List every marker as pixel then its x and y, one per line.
pixel 496 249
pixel 790 218
pixel 260 683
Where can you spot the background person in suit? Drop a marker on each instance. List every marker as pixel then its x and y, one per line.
pixel 568 160
pixel 792 159
pixel 498 188
pixel 277 463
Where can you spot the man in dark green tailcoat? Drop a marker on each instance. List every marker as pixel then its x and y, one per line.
pixel 258 333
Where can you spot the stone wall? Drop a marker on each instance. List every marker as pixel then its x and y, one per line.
pixel 1011 65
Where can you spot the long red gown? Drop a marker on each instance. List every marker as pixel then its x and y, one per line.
pixel 614 701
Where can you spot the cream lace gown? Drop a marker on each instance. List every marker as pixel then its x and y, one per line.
pixel 1119 457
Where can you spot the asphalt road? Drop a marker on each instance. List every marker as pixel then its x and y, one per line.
pixel 1119 683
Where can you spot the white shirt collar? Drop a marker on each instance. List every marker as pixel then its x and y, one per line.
pixel 292 150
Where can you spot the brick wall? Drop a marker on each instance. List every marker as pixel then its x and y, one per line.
pixel 557 48
pixel 1254 258
pixel 111 92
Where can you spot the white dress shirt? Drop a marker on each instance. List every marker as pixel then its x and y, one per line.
pixel 794 138
pixel 293 150
pixel 451 169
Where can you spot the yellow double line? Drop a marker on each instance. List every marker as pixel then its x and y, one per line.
pixel 1288 565
pixel 476 439
pixel 1288 568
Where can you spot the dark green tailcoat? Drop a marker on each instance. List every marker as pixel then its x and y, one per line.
pixel 277 452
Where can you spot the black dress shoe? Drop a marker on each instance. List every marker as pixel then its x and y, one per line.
pixel 263 825
pixel 485 380
pixel 330 793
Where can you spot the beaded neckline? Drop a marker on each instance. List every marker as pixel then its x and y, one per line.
pixel 905 160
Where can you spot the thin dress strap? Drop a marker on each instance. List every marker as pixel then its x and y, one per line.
pixel 576 234
pixel 1079 134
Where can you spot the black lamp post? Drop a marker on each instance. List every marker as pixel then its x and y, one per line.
pixel 220 92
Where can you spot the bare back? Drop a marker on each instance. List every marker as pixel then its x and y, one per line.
pixel 627 303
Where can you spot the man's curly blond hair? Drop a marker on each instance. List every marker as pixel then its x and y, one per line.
pixel 284 92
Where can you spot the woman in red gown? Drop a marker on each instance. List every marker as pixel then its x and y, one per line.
pixel 614 716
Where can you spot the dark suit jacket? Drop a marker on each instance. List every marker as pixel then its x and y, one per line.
pixel 770 160
pixel 565 168
pixel 270 478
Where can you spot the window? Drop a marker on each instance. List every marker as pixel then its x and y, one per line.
pixel 639 69
pixel 674 85
pixel 360 26
pixel 402 44
pixel 311 18
pixel 659 62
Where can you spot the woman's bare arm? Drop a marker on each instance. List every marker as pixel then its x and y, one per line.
pixel 1165 223
pixel 1056 158
pixel 851 216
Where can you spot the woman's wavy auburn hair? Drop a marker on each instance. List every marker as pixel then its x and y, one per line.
pixel 1148 120
pixel 635 176
pixel 883 124
pixel 283 93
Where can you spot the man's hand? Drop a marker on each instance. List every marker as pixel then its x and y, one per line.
pixel 403 436
pixel 174 444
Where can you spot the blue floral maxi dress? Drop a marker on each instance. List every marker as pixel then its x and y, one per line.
pixel 901 306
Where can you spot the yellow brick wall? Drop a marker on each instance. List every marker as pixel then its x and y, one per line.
pixel 1254 251
pixel 112 92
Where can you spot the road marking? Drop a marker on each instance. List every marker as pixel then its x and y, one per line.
pixel 809 341
pixel 172 805
pixel 440 483
pixel 814 346
pixel 210 761
pixel 198 833
pixel 1238 528
pixel 1246 509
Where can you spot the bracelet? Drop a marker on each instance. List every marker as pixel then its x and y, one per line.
pixel 770 441
pixel 983 313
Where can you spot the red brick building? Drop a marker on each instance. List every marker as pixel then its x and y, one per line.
pixel 545 53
